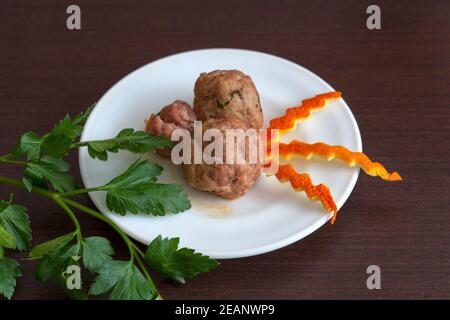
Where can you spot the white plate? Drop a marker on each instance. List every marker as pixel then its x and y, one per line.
pixel 270 215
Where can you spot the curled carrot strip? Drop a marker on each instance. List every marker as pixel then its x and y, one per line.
pixel 305 150
pixel 294 115
pixel 302 182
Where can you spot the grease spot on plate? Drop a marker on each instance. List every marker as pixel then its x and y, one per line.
pixel 213 210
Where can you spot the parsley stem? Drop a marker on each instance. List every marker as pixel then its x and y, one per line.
pixel 116 140
pixel 20 163
pixel 72 216
pixel 19 184
pixel 78 144
pixel 147 275
pixel 78 191
pixel 138 250
pixel 7 157
pixel 105 219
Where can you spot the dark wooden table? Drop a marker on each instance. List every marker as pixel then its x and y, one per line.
pixel 396 81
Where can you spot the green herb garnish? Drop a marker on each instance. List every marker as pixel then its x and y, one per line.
pixel 223 103
pixel 164 256
pixel 136 190
pixel 127 139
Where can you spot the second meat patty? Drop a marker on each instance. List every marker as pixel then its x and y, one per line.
pixel 226 180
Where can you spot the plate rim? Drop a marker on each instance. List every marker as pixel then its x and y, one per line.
pixel 241 253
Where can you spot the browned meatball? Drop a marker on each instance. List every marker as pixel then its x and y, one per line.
pixel 226 180
pixel 178 114
pixel 227 93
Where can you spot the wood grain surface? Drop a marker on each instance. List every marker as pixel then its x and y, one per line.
pixel 396 81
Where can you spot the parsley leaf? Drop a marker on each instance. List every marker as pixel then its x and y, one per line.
pixel 124 280
pixel 9 271
pixel 6 239
pixel 96 251
pixel 151 198
pixel 135 191
pixel 57 142
pixel 62 279
pixel 127 139
pixel 15 222
pixel 164 256
pixel 30 145
pixel 56 259
pixel 48 169
pixel 140 172
pixel 44 248
pixel 57 255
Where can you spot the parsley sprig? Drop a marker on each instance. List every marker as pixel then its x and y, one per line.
pixel 136 190
pixel 127 139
